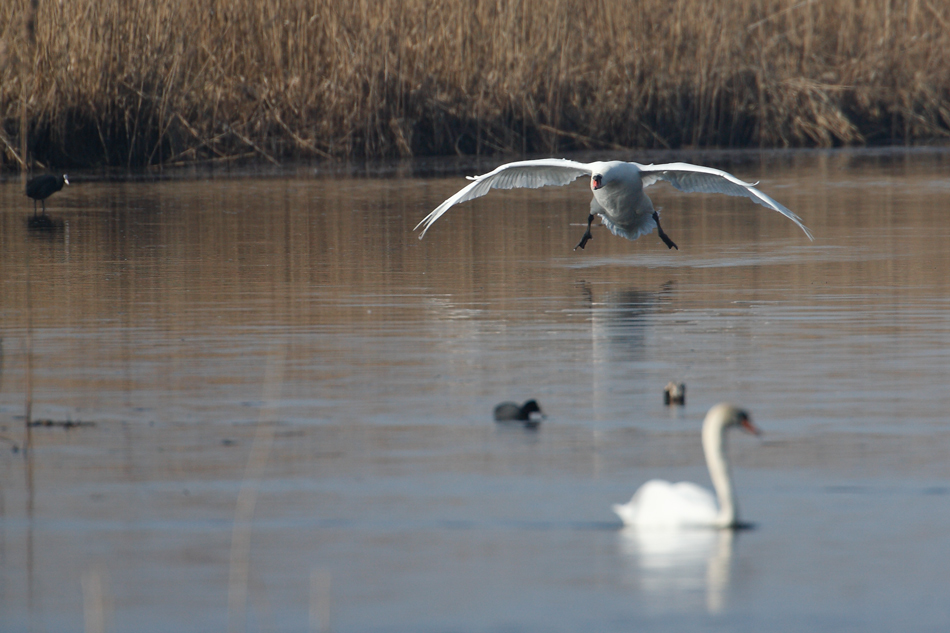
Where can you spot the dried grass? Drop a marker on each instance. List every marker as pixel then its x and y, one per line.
pixel 145 82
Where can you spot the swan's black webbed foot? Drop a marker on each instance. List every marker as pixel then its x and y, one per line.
pixel 587 236
pixel 663 236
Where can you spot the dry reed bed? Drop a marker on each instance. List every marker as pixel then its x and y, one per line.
pixel 144 82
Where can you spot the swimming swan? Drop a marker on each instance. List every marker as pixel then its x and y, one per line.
pixel 660 503
pixel 618 191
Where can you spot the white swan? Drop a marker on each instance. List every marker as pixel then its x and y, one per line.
pixel 660 503
pixel 618 191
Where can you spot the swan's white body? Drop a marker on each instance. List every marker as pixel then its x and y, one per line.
pixel 617 186
pixel 660 503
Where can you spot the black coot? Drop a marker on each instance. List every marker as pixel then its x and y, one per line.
pixel 42 187
pixel 529 413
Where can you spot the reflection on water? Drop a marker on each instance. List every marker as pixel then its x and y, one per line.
pixel 679 569
pixel 155 309
pixel 619 320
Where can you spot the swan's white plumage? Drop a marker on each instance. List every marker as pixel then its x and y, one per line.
pixel 621 203
pixel 698 179
pixel 525 174
pixel 659 503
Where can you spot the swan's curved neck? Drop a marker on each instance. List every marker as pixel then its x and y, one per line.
pixel 714 446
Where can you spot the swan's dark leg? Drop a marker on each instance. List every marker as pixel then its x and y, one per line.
pixel 587 236
pixel 663 236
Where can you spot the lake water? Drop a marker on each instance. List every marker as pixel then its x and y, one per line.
pixel 282 402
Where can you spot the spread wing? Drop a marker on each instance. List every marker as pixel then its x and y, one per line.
pixel 696 178
pixel 524 174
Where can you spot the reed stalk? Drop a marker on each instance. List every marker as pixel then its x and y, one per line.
pixel 147 82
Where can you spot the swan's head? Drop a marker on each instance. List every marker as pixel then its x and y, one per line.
pixel 612 173
pixel 724 416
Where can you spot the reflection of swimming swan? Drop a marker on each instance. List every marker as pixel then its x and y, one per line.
pixel 680 568
pixel 618 191
pixel 661 503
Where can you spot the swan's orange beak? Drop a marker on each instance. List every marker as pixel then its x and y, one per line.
pixel 746 423
pixel 596 182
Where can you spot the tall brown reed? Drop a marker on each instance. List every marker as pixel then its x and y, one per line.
pixel 144 82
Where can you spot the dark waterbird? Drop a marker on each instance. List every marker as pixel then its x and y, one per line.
pixel 529 413
pixel 42 187
pixel 674 393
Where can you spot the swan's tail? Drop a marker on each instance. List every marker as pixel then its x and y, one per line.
pixel 626 513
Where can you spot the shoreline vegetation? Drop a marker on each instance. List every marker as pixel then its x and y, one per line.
pixel 143 83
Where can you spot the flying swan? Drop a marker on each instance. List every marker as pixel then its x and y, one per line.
pixel 618 191
pixel 662 504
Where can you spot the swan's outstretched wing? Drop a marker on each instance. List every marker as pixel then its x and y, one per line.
pixel 528 174
pixel 696 178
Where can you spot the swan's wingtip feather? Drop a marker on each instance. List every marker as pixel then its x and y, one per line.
pixel 424 221
pixel 798 222
pixel 624 512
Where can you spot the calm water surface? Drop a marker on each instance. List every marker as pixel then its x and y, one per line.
pixel 287 400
